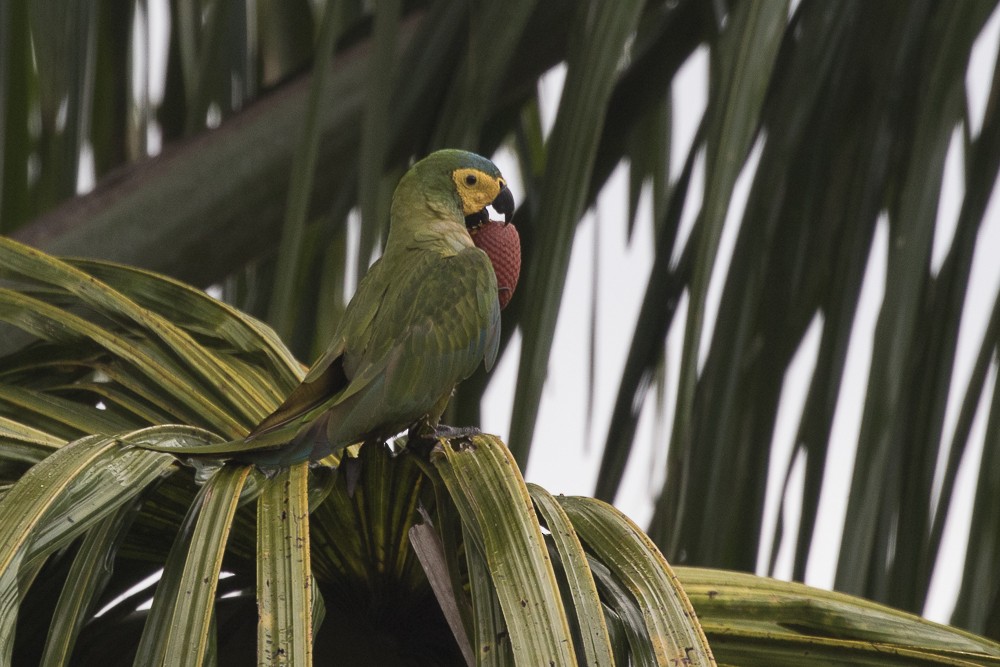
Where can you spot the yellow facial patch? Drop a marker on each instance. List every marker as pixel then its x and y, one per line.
pixel 476 189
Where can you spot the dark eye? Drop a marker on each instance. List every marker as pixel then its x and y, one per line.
pixel 470 179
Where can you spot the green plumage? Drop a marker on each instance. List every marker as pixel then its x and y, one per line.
pixel 423 319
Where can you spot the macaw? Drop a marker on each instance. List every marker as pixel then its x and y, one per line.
pixel 422 320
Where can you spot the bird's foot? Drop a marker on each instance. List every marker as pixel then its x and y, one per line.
pixel 424 435
pixel 455 432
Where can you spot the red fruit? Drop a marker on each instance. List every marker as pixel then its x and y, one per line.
pixel 502 244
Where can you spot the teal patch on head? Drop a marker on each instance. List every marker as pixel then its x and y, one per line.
pixel 449 159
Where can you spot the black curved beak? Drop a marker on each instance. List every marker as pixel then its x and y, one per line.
pixel 504 204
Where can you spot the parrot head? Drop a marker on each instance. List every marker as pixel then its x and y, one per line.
pixel 471 181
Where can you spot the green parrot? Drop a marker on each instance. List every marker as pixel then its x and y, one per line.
pixel 423 318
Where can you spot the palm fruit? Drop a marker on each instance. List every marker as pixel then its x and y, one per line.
pixel 500 241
